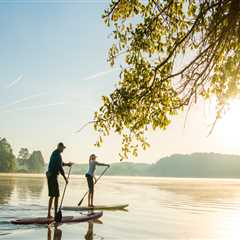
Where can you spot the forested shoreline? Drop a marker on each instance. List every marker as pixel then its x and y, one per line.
pixel 199 165
pixel 24 162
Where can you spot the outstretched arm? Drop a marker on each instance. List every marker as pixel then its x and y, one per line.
pixel 69 164
pixel 102 164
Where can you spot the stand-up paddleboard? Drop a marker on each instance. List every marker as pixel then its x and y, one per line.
pixel 97 207
pixel 67 219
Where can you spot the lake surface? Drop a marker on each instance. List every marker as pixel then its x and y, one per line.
pixel 159 208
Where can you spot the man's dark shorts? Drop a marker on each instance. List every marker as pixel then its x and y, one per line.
pixel 90 183
pixel 53 187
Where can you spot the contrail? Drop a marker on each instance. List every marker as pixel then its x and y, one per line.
pixel 19 78
pixel 36 107
pixel 22 100
pixel 100 74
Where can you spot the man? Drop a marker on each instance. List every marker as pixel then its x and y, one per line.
pixel 55 167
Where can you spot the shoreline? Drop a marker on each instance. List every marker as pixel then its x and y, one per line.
pixel 181 179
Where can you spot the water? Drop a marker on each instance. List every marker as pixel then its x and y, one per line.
pixel 159 208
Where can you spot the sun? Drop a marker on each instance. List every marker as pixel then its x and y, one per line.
pixel 228 127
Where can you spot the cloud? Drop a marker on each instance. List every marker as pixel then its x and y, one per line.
pixel 100 74
pixel 13 83
pixel 36 107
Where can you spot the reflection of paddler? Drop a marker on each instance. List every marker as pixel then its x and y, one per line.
pixel 89 234
pixel 57 233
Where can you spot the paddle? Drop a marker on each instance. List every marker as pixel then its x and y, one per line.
pixel 79 204
pixel 58 217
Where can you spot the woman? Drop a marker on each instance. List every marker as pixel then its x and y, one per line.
pixel 90 175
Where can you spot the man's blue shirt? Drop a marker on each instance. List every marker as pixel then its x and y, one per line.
pixel 55 165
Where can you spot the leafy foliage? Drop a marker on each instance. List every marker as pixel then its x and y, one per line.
pixel 174 52
pixel 23 156
pixel 26 162
pixel 7 158
pixel 36 162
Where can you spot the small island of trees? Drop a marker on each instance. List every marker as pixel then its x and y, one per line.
pixel 25 162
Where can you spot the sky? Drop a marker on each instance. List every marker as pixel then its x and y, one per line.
pixel 53 73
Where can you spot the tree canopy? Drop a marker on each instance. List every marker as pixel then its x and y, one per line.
pixel 23 156
pixel 36 162
pixel 172 52
pixel 7 158
pixel 30 162
pixel 25 161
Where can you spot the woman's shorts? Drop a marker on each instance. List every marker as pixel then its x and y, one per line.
pixel 90 183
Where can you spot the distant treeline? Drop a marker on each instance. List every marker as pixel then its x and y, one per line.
pixel 199 165
pixel 25 162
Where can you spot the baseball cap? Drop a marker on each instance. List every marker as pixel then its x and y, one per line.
pixel 61 145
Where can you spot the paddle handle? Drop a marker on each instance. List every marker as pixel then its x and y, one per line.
pixel 65 188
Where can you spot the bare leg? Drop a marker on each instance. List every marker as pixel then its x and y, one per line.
pixel 92 198
pixel 49 207
pixel 89 197
pixel 49 233
pixel 55 206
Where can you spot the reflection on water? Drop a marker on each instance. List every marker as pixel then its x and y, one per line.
pixel 159 208
pixel 31 188
pixel 6 189
pixel 202 195
pixel 25 187
pixel 89 234
pixel 57 233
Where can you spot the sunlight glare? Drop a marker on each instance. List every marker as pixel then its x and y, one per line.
pixel 228 127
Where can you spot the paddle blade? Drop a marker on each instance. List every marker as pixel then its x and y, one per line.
pixel 58 217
